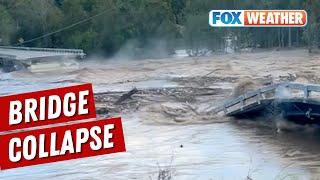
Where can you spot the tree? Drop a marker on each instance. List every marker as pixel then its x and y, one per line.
pixel 146 26
pixel 7 25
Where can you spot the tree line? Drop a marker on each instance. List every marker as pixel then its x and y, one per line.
pixel 143 27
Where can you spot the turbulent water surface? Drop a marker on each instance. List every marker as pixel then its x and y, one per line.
pixel 162 135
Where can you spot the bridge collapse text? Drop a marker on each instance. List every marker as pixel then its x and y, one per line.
pixel 44 127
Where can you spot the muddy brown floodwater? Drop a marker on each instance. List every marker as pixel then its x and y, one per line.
pixel 168 125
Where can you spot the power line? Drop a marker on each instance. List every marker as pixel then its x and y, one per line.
pixel 66 27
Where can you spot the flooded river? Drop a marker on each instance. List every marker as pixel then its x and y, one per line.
pixel 162 134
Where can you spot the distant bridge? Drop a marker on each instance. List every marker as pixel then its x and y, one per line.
pixel 30 53
pixel 15 58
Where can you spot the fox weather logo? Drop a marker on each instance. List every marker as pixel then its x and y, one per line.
pixel 257 18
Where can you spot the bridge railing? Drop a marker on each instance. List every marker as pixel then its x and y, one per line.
pixel 57 50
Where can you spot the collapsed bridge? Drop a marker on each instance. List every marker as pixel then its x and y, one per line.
pixel 294 101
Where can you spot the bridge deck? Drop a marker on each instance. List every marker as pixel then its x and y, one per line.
pixel 258 99
pixel 27 53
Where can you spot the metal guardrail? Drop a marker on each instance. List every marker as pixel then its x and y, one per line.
pixel 306 88
pixel 251 94
pixel 57 50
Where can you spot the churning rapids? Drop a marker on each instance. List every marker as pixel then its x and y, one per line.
pixel 168 126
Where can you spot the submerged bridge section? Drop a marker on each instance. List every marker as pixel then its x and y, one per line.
pixel 293 98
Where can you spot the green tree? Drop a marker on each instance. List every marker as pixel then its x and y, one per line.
pixel 7 25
